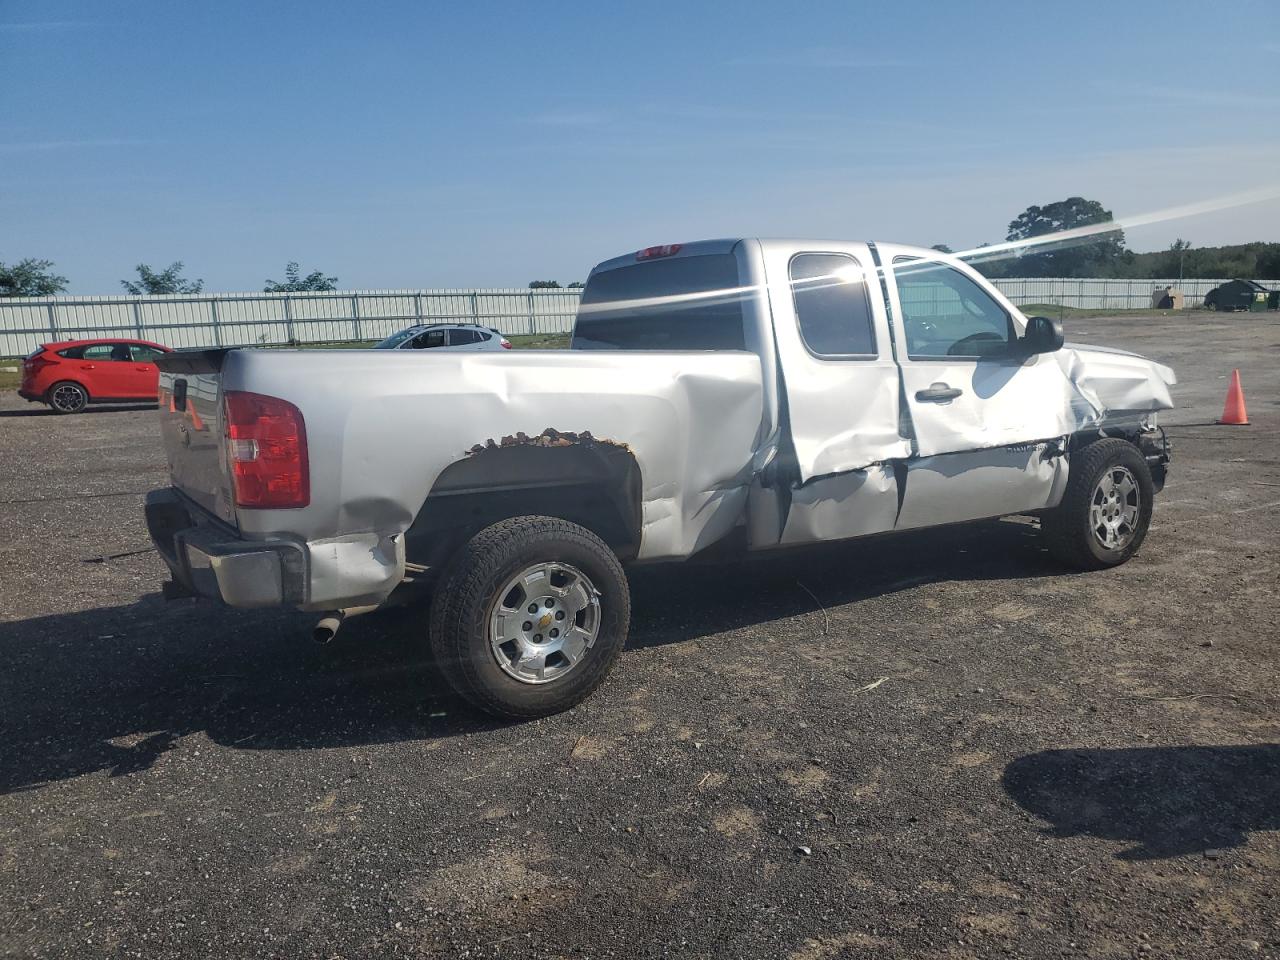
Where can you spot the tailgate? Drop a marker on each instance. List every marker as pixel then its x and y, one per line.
pixel 191 427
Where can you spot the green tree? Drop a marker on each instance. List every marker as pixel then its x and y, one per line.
pixel 942 248
pixel 169 280
pixel 544 285
pixel 1095 255
pixel 294 282
pixel 577 285
pixel 30 278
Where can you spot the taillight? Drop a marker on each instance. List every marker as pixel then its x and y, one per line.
pixel 665 250
pixel 36 364
pixel 506 344
pixel 267 449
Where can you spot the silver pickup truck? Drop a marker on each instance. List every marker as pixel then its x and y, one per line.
pixel 758 394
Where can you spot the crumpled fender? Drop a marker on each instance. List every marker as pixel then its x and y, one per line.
pixel 1109 382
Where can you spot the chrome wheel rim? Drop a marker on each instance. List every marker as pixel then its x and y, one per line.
pixel 1114 508
pixel 543 622
pixel 68 397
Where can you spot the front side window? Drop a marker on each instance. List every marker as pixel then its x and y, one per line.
pixel 946 314
pixel 144 354
pixel 832 308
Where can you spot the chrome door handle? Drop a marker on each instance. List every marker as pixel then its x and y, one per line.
pixel 938 393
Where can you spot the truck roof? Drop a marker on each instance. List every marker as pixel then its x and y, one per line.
pixel 699 248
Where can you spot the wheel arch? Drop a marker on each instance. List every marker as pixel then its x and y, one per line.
pixel 593 483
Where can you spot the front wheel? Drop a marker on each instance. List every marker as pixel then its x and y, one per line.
pixel 1106 510
pixel 530 617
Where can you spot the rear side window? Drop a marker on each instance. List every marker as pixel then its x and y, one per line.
pixel 682 303
pixel 72 353
pixel 424 341
pixel 106 351
pixel 460 336
pixel 832 308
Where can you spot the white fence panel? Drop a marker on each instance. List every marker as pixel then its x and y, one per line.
pixel 246 319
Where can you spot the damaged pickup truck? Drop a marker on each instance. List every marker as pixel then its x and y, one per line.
pixel 757 393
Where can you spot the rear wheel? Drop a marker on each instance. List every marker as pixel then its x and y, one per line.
pixel 1106 510
pixel 67 396
pixel 530 617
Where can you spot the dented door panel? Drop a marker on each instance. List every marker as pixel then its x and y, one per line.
pixel 981 483
pixel 842 412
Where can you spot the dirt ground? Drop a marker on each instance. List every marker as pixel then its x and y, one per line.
pixel 939 745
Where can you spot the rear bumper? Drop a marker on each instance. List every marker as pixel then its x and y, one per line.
pixel 209 559
pixel 28 395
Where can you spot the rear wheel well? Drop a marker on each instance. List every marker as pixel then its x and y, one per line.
pixel 591 483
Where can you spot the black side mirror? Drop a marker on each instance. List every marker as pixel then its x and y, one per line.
pixel 1043 335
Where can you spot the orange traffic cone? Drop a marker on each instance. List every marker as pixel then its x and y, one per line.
pixel 1234 413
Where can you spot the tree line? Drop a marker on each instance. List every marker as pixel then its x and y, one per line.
pixel 35 278
pixel 1103 254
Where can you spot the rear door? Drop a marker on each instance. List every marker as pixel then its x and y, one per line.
pixel 105 370
pixel 833 342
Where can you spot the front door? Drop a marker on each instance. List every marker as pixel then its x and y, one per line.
pixel 981 410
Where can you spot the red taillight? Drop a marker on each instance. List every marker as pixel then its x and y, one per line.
pixel 267 449
pixel 34 365
pixel 506 344
pixel 665 250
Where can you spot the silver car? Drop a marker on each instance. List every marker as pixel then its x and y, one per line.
pixel 445 336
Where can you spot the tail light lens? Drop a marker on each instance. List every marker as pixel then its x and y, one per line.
pixel 267 449
pixel 34 365
pixel 506 344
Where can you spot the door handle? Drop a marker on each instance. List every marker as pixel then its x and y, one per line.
pixel 86 366
pixel 938 393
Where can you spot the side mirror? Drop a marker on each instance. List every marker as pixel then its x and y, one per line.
pixel 1043 335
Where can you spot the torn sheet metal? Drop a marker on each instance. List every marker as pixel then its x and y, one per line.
pixel 1110 383
pixel 693 422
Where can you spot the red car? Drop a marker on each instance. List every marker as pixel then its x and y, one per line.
pixel 69 376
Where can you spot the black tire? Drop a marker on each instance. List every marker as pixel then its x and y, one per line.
pixel 67 396
pixel 1068 529
pixel 465 597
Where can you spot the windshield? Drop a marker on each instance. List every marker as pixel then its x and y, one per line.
pixel 396 339
pixel 685 303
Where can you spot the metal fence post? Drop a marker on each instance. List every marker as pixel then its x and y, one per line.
pixel 217 327
pixel 53 321
pixel 137 319
pixel 475 308
pixel 532 326
pixel 417 307
pixel 288 318
pixel 355 317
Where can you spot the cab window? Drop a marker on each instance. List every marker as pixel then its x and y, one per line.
pixel 830 294
pixel 946 314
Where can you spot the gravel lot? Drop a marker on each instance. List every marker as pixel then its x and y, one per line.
pixel 940 745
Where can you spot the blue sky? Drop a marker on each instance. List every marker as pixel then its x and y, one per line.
pixel 457 144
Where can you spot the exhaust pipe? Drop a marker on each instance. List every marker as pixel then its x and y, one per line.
pixel 328 626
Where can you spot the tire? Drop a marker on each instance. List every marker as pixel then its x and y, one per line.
pixel 67 396
pixel 474 609
pixel 1075 533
